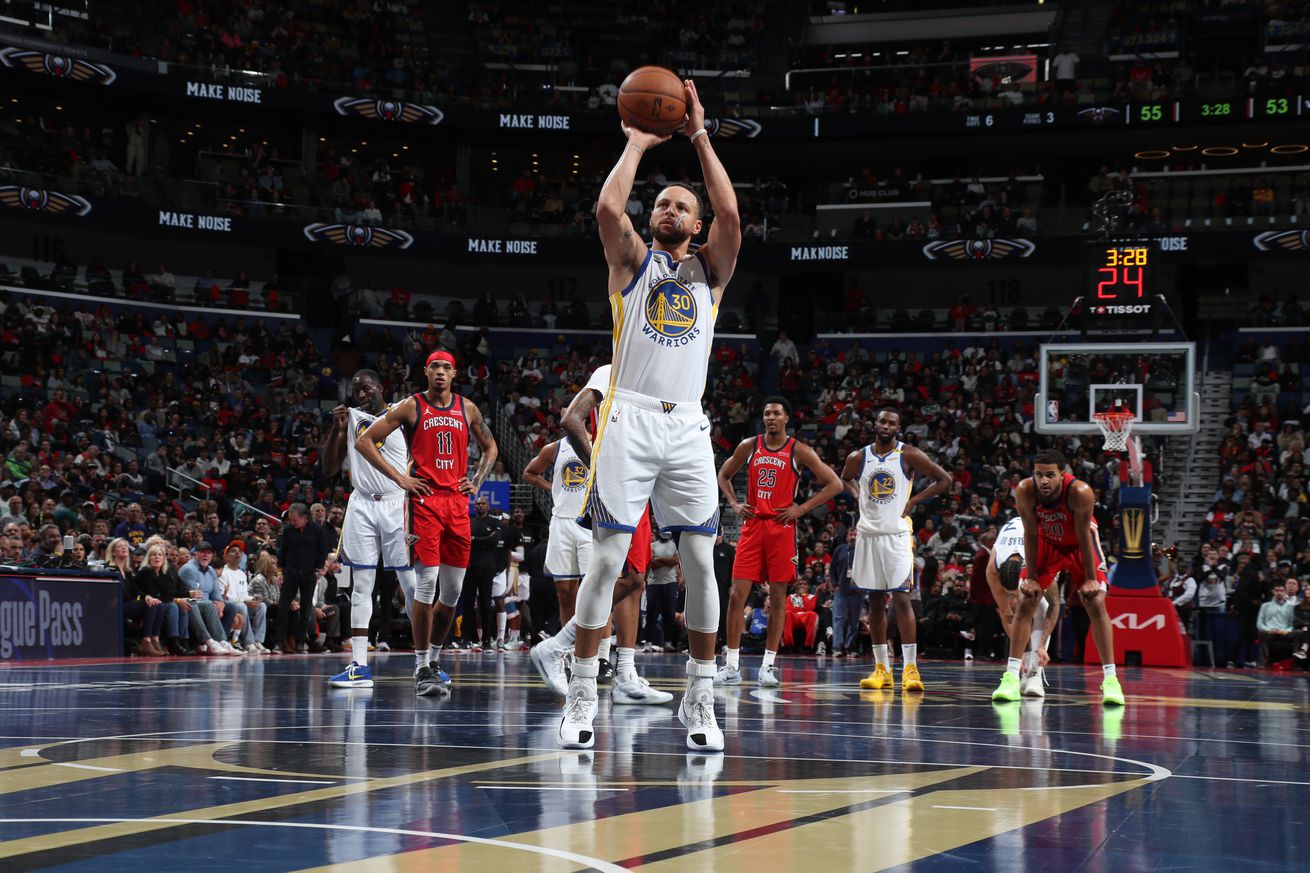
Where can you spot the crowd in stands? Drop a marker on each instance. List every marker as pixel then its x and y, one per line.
pixel 964 207
pixel 1160 204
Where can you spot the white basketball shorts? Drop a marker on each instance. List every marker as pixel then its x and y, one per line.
pixel 568 549
pixel 883 562
pixel 376 527
pixel 649 449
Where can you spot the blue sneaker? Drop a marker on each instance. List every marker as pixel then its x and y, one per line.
pixel 354 676
pixel 443 678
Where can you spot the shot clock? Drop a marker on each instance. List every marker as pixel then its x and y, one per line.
pixel 1122 275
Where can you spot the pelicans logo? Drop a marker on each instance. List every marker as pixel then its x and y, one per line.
pixel 671 314
pixel 59 66
pixel 42 200
pixel 388 110
pixel 1283 240
pixel 882 486
pixel 978 249
pixel 573 475
pixel 727 128
pixel 358 236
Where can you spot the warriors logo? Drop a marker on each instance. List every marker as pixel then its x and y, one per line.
pixel 978 249
pixel 358 236
pixel 1283 240
pixel 41 200
pixel 388 110
pixel 671 309
pixel 59 66
pixel 573 475
pixel 882 486
pixel 363 426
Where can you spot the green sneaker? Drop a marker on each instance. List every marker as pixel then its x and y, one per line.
pixel 1009 687
pixel 1111 693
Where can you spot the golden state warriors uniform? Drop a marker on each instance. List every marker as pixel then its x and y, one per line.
pixel 375 521
pixel 653 440
pixel 884 548
pixel 568 551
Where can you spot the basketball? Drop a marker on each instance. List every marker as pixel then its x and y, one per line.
pixel 653 99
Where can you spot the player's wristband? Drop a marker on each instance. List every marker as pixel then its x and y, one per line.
pixel 699 133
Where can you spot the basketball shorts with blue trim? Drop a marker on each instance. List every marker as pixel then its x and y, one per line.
pixel 648 449
pixel 568 549
pixel 376 527
pixel 883 562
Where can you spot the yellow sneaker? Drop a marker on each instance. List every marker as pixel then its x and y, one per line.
pixel 881 677
pixel 910 679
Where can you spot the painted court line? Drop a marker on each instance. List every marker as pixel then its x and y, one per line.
pixel 260 779
pixel 842 791
pixel 968 808
pixel 88 767
pixel 591 863
pixel 545 788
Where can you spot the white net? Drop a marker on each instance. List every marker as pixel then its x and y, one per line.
pixel 1115 427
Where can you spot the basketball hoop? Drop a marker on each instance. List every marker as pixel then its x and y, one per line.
pixel 1115 426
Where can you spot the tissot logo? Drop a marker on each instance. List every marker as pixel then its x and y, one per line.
pixel 820 253
pixel 1122 309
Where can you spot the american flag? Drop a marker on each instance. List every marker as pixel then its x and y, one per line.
pixel 1179 417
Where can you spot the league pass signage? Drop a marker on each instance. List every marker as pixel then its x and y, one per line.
pixel 43 618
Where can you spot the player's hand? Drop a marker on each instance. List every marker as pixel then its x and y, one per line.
pixel 1043 657
pixel 695 111
pixel 790 514
pixel 745 510
pixel 339 417
pixel 466 486
pixel 415 486
pixel 1030 588
pixel 643 140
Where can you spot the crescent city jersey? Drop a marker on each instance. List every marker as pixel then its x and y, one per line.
pixel 1009 542
pixel 568 483
pixel 439 443
pixel 364 477
pixel 663 329
pixel 885 486
pixel 771 478
pixel 1055 519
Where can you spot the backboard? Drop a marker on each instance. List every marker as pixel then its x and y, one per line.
pixel 1155 381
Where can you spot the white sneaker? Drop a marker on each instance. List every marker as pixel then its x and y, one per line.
pixel 383 647
pixel 500 646
pixel 821 650
pixel 214 647
pixel 697 713
pixel 575 731
pixel 251 649
pixel 550 664
pixel 1031 685
pixel 768 677
pixel 631 688
pixel 968 654
pixel 230 649
pixel 727 676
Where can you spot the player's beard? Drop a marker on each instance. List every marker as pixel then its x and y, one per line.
pixel 670 238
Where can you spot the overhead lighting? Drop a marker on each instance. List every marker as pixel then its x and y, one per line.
pixel 1294 148
pixel 1219 151
pixel 1151 154
pixel 1251 145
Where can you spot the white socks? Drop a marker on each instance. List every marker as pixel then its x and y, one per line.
pixel 1109 669
pixel 768 659
pixel 1013 665
pixel 733 659
pixel 1030 661
pixel 604 651
pixel 566 637
pixel 434 653
pixel 420 658
pixel 910 652
pixel 880 654
pixel 501 619
pixel 627 662
pixel 359 650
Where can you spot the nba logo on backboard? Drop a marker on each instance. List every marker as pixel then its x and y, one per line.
pixel 1052 410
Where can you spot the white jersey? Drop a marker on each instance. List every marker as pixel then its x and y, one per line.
pixel 885 486
pixel 364 477
pixel 1009 542
pixel 568 482
pixel 663 329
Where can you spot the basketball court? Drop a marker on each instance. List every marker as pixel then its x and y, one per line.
pixel 256 764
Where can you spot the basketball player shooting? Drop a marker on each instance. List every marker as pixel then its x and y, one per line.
pixel 653 442
pixel 1059 538
pixel 438 423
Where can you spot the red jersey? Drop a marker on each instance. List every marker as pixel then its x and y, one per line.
pixel 1056 518
pixel 771 478
pixel 439 443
